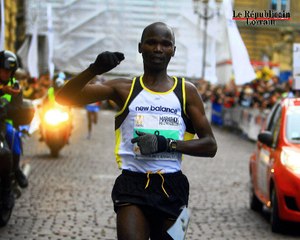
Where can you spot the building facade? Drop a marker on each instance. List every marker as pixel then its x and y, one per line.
pixel 270 41
pixel 84 28
pixel 14 24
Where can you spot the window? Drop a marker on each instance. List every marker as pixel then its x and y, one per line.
pixel 276 130
pixel 280 5
pixel 292 125
pixel 270 118
pixel 274 123
pixel 273 4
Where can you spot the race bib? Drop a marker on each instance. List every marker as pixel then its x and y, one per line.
pixel 165 125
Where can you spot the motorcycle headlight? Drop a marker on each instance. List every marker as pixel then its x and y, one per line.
pixel 55 117
pixel 291 160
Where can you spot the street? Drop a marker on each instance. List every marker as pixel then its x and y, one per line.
pixel 69 197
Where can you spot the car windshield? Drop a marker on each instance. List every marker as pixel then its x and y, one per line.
pixel 293 126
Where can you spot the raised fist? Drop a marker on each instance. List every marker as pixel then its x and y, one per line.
pixel 106 61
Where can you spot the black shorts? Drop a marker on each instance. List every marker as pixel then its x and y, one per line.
pixel 166 193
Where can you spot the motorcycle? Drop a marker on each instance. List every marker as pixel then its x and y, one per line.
pixel 5 213
pixel 25 116
pixel 56 128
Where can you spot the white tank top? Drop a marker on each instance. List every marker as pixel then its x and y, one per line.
pixel 149 112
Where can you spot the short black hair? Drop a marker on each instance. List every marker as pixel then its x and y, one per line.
pixel 146 29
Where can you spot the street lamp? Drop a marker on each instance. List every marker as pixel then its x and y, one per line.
pixel 206 15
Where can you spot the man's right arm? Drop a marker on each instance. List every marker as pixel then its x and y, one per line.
pixel 72 92
pixel 77 91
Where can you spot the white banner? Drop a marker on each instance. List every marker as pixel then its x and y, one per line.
pixel 242 68
pixel 296 66
pixel 2 33
pixel 212 35
pixel 32 58
pixel 50 41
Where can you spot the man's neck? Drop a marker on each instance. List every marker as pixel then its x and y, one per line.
pixel 155 75
pixel 158 81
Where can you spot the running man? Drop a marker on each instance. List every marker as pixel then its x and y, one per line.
pixel 155 126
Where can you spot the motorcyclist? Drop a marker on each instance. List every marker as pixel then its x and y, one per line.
pixel 10 90
pixel 49 99
pixel 58 83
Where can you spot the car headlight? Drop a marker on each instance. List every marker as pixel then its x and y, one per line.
pixel 291 160
pixel 55 117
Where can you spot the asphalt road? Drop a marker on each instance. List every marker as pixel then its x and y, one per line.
pixel 69 197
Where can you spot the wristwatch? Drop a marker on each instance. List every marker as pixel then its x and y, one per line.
pixel 172 145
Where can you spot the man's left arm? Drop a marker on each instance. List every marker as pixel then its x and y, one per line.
pixel 205 145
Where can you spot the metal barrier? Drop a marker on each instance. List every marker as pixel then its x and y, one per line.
pixel 216 114
pixel 247 120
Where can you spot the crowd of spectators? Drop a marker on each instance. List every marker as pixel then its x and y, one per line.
pixel 261 93
pixel 34 88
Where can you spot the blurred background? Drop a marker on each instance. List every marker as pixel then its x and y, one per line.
pixel 70 33
pixel 234 62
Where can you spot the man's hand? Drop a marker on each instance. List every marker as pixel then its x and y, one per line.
pixel 151 143
pixel 106 61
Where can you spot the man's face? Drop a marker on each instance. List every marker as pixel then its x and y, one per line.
pixel 157 47
pixel 5 75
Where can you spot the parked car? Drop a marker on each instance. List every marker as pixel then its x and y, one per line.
pixel 275 165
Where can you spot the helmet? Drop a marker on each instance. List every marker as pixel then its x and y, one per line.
pixel 8 60
pixel 59 82
pixel 62 75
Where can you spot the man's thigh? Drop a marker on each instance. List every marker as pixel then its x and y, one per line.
pixel 140 222
pixel 132 223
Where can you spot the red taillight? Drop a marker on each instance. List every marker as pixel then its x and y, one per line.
pixel 292 102
pixel 297 102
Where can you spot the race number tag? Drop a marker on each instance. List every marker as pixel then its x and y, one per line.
pixel 178 230
pixel 165 125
